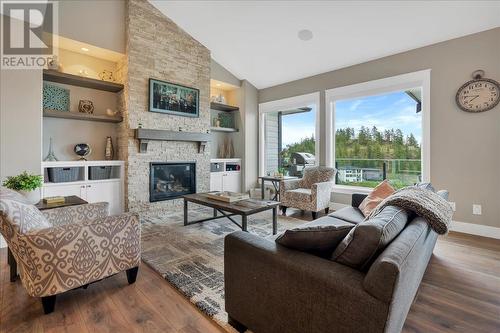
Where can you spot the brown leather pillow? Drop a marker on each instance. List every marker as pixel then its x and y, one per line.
pixel 379 193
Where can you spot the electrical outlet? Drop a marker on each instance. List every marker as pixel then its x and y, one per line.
pixel 476 209
pixel 453 205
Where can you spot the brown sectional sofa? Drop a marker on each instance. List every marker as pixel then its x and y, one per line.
pixel 273 289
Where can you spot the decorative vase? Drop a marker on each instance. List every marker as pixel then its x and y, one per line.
pixel 109 151
pixel 53 63
pixel 33 197
pixel 50 156
pixel 231 148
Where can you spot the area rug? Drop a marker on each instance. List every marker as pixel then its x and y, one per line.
pixel 191 257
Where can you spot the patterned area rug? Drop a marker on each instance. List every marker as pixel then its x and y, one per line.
pixel 191 257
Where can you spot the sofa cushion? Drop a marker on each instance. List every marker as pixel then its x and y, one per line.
pixel 320 236
pixel 300 194
pixel 379 193
pixel 20 213
pixel 349 214
pixel 368 238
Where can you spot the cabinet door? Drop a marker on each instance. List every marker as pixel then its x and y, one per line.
pixel 216 181
pixel 108 192
pixel 65 190
pixel 232 182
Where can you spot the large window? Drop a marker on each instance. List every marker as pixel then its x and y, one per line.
pixel 378 130
pixel 288 133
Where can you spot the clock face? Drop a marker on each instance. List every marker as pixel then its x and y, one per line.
pixel 478 95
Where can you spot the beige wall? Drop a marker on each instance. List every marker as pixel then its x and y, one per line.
pixel 465 153
pixel 100 23
pixel 20 121
pixel 219 73
pixel 250 127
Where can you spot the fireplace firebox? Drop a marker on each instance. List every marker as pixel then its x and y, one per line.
pixel 171 180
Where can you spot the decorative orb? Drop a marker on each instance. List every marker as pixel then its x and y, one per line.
pixel 83 150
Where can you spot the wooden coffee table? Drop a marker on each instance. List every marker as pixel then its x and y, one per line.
pixel 244 208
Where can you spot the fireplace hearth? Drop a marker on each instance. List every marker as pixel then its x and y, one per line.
pixel 171 180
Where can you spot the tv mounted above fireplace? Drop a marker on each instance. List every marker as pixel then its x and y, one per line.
pixel 171 180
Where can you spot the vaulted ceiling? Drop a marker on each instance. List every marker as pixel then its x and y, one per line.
pixel 258 40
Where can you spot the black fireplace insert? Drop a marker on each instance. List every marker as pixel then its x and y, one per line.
pixel 171 180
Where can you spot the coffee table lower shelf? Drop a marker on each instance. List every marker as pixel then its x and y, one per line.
pixel 243 208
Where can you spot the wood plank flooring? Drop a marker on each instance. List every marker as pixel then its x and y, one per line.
pixel 460 292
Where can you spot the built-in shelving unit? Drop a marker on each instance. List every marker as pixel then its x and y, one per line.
pixel 81 116
pixel 223 107
pixel 223 129
pixel 80 81
pixel 89 183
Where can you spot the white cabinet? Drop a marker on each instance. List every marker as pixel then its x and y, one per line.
pixel 225 175
pixel 64 190
pixel 106 190
pixel 225 181
pixel 232 181
pixel 216 179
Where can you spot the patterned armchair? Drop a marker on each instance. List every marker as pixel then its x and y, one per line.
pixel 66 248
pixel 311 192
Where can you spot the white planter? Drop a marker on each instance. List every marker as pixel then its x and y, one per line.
pixel 32 196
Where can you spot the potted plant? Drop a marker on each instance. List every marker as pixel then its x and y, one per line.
pixel 26 184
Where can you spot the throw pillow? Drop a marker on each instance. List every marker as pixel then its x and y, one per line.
pixel 368 238
pixel 379 193
pixel 26 216
pixel 320 236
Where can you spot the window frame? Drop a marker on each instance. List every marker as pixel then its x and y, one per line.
pixel 372 88
pixel 287 104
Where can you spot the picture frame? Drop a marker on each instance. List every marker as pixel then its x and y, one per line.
pixel 171 98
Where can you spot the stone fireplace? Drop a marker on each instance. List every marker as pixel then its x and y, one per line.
pixel 171 180
pixel 157 48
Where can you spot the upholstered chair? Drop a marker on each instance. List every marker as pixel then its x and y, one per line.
pixel 66 248
pixel 311 192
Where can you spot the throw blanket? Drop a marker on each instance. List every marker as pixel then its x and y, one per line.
pixel 425 203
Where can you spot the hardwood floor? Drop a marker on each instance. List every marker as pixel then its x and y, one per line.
pixel 460 292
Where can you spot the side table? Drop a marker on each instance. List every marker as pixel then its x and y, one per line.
pixel 276 184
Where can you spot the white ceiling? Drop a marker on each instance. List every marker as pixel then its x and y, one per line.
pixel 257 40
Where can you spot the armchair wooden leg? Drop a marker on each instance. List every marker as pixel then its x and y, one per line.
pixel 132 274
pixel 315 215
pixel 13 266
pixel 236 324
pixel 48 303
pixel 327 209
pixel 283 210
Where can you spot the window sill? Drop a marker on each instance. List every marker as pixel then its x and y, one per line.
pixel 345 189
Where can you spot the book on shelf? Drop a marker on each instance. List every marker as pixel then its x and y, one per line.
pixel 227 196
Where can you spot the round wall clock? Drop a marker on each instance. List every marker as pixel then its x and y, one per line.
pixel 479 94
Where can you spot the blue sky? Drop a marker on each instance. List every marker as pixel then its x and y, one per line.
pixel 392 110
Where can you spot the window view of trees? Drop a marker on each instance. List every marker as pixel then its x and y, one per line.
pixel 378 137
pixel 372 155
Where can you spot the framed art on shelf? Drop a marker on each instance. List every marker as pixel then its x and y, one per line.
pixel 171 98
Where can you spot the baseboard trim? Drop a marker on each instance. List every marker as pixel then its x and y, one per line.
pixel 475 229
pixel 457 226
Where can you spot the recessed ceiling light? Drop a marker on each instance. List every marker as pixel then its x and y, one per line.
pixel 218 85
pixel 305 34
pixel 84 49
